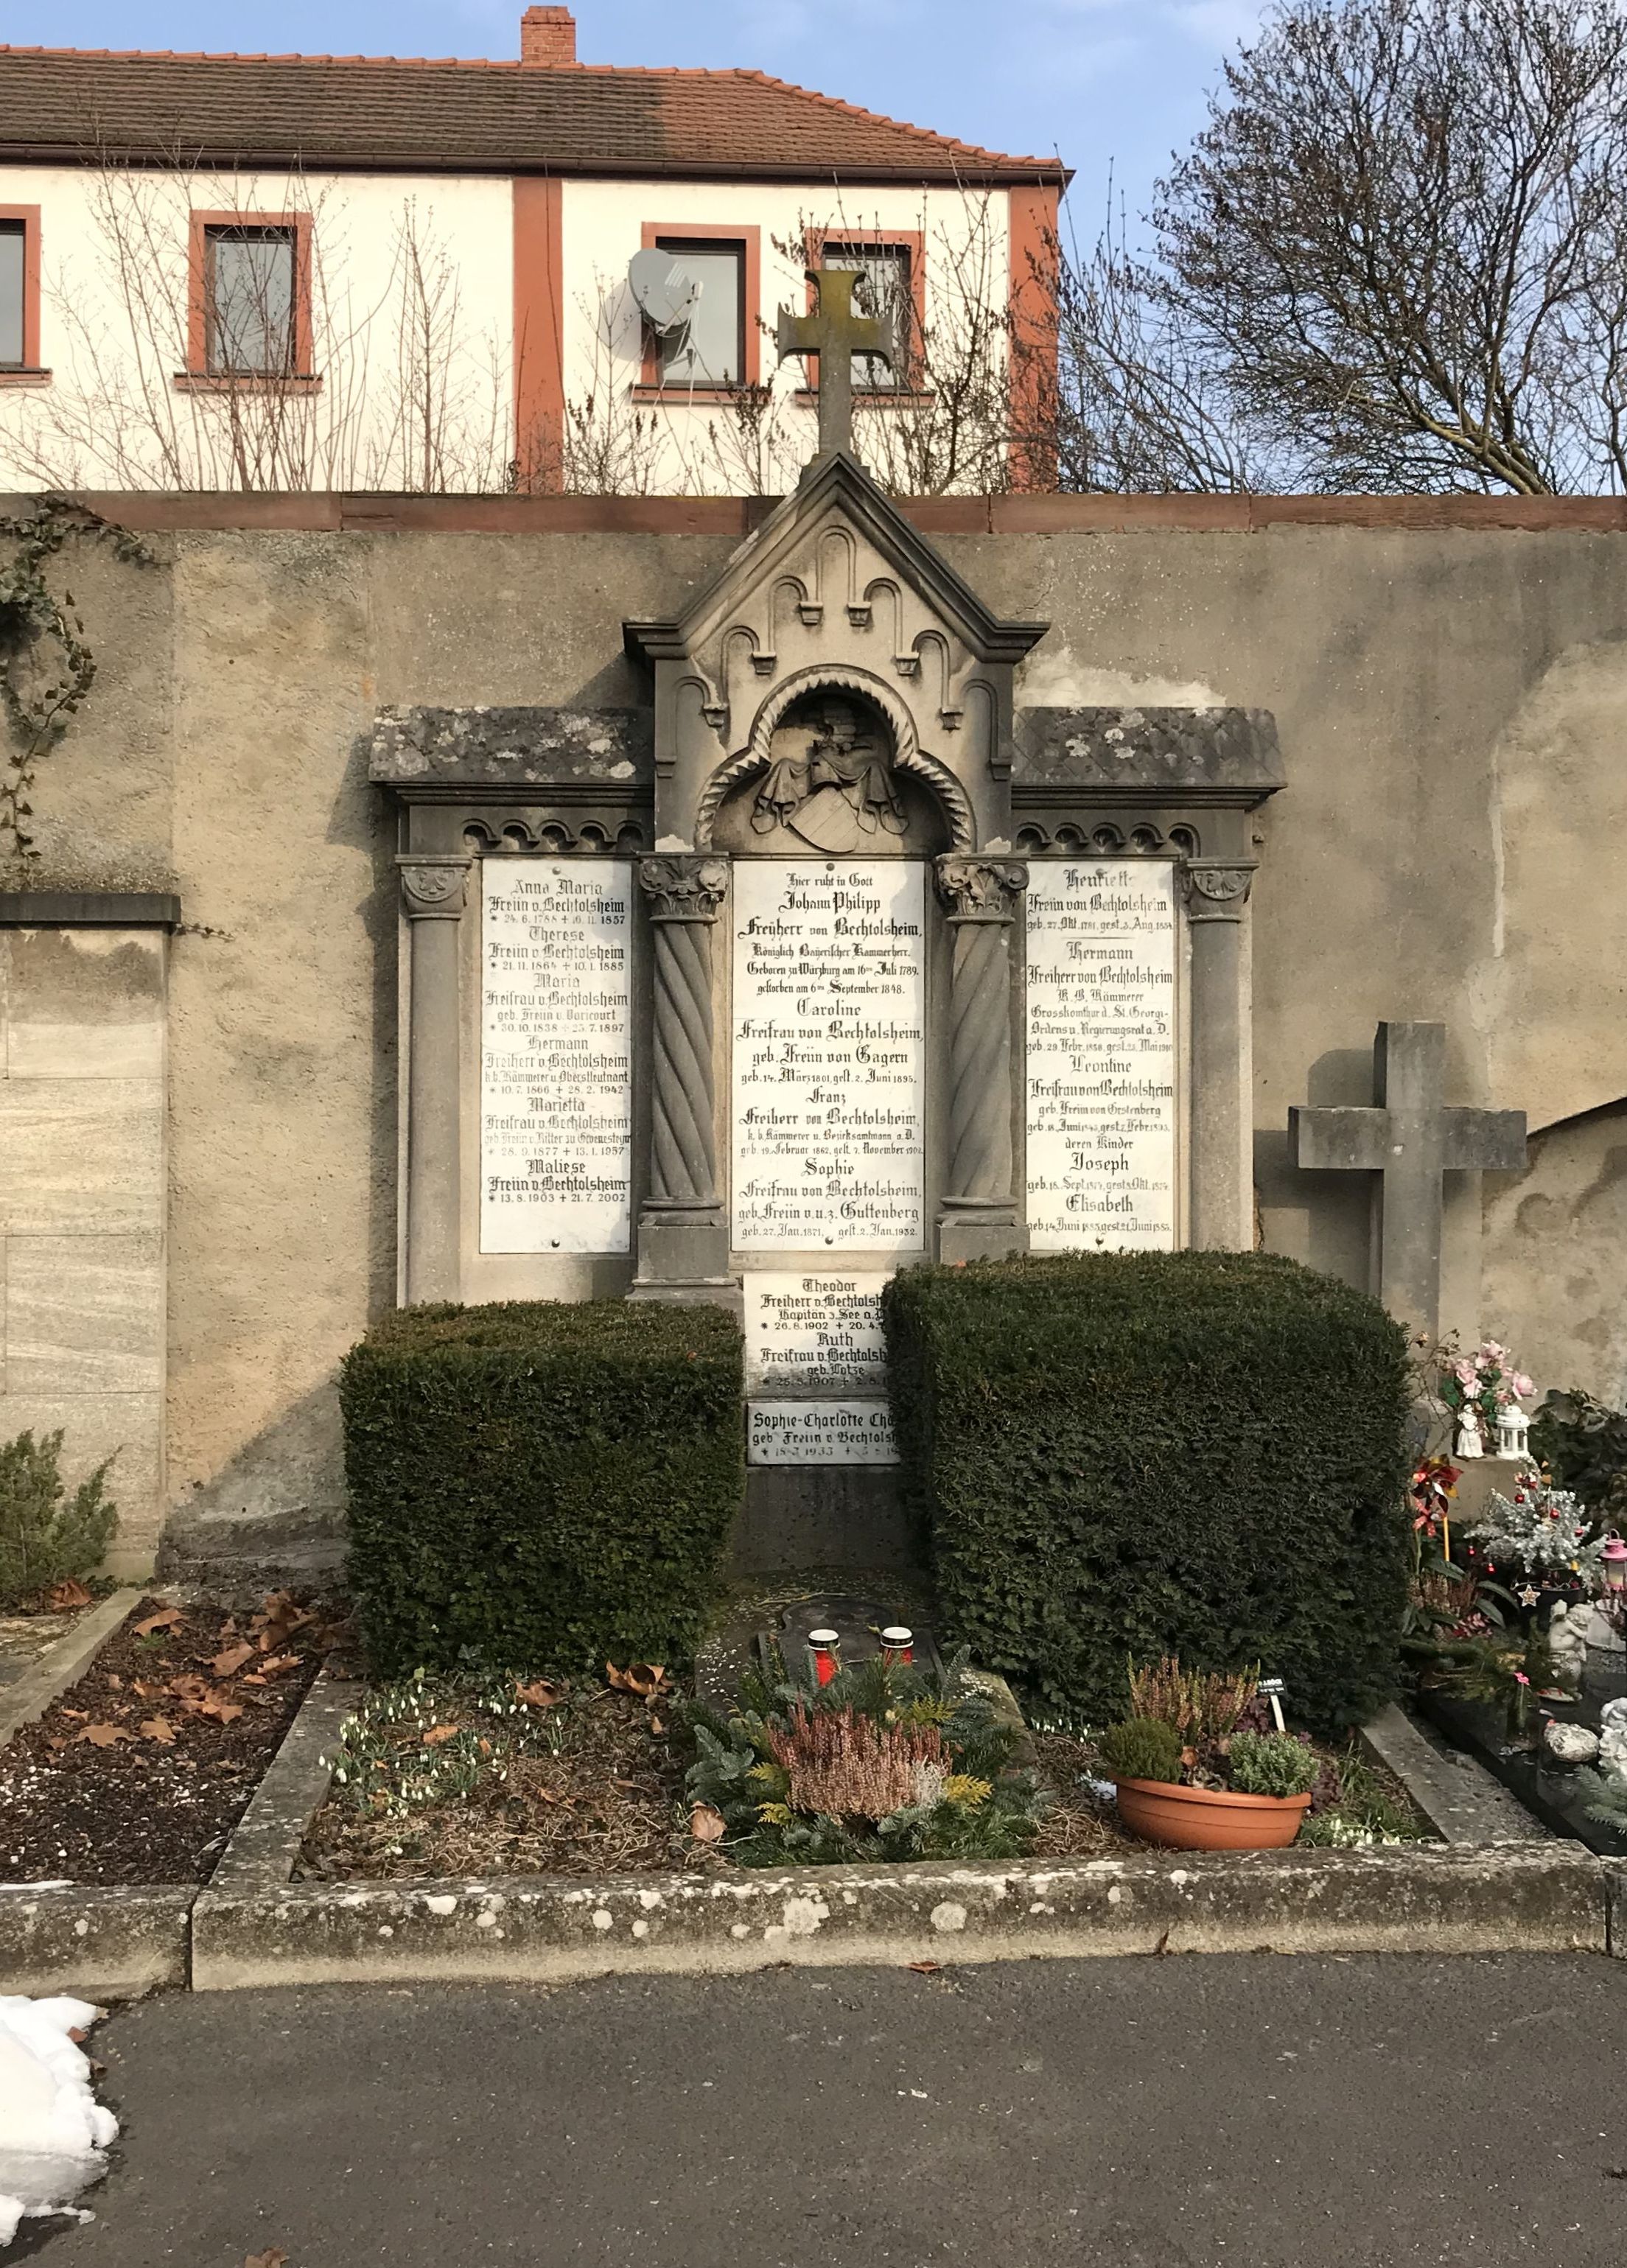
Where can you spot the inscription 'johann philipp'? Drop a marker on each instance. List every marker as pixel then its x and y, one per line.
pixel 829 964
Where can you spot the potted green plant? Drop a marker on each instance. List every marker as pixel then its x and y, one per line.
pixel 1190 1774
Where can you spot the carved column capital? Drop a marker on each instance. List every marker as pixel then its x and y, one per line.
pixel 684 885
pixel 1217 889
pixel 980 889
pixel 434 884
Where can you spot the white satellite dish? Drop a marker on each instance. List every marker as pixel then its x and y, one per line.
pixel 665 291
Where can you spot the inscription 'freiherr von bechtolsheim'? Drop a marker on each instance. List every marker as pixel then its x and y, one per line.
pixel 1100 1069
pixel 556 1055
pixel 830 962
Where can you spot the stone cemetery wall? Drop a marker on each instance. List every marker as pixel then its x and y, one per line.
pixel 1451 702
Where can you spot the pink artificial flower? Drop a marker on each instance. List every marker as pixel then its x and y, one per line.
pixel 1490 1351
pixel 1466 1374
pixel 1523 1388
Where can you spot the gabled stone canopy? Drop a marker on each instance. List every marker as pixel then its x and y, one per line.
pixel 835 590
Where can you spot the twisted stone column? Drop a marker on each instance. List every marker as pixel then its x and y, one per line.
pixel 434 887
pixel 980 1216
pixel 1217 902
pixel 682 1236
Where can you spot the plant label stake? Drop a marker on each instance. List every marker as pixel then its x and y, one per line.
pixel 825 1646
pixel 1272 1688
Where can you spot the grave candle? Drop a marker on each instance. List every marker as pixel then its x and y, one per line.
pixel 898 1646
pixel 825 1646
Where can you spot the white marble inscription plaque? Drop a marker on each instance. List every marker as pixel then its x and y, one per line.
pixel 556 1055
pixel 819 1433
pixel 829 964
pixel 1100 1069
pixel 818 1334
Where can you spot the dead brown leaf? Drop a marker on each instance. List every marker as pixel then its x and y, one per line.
pixel 189 1689
pixel 540 1694
pixel 279 1662
pixel 103 1736
pixel 273 2256
pixel 640 1677
pixel 165 1618
pixel 115 1681
pixel 144 1693
pixel 216 1705
pixel 707 1823
pixel 159 1729
pixel 226 1664
pixel 78 1715
pixel 927 1967
pixel 438 1736
pixel 67 1593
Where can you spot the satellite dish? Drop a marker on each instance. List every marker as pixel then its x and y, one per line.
pixel 665 291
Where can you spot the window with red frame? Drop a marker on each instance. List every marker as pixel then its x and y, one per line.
pixel 710 350
pixel 251 300
pixel 13 294
pixel 884 288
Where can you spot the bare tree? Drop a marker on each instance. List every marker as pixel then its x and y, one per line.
pixel 1396 258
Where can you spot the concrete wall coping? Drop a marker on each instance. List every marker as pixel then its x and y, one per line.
pixel 89 909
pixel 349 513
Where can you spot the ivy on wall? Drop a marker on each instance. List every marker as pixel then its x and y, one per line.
pixel 47 667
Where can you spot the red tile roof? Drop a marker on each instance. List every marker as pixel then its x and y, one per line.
pixel 67 105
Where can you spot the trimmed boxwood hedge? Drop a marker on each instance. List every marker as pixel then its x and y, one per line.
pixel 551 1483
pixel 1192 1452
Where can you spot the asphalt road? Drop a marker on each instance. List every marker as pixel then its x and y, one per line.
pixel 1176 2113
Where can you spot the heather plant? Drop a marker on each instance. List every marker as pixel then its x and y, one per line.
pixel 45 1534
pixel 1142 1748
pixel 887 1762
pixel 1201 1705
pixel 1272 1763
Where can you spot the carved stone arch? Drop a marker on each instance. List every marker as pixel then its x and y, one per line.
pixel 907 753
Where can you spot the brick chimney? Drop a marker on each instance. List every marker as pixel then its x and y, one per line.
pixel 548 36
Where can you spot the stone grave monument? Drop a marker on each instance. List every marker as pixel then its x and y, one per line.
pixel 829 960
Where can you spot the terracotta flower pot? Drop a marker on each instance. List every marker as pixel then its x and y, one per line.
pixel 1209 1819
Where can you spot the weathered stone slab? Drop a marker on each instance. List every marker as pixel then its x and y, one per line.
pixel 551 748
pixel 84 1314
pixel 829 1055
pixel 1459 1799
pixel 1171 750
pixel 1414 1899
pixel 97 1944
pixel 1101 1080
pixel 556 1037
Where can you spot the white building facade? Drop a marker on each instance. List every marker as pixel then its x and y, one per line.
pixel 240 272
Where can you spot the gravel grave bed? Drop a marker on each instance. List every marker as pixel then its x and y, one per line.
pixel 141 1770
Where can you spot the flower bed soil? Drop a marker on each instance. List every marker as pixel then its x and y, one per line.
pixel 28 1631
pixel 141 1770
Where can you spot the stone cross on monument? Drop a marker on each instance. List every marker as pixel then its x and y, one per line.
pixel 836 333
pixel 1409 1138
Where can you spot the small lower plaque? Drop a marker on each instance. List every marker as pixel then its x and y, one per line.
pixel 820 1433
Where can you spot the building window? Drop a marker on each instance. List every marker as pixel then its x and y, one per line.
pixel 710 350
pixel 250 316
pixel 250 298
pixel 20 288
pixel 884 287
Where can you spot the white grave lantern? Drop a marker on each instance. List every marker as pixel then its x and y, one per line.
pixel 1514 1432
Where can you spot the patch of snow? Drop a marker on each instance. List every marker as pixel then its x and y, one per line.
pixel 52 2132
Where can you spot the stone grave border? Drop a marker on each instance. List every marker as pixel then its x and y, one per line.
pixel 251 1924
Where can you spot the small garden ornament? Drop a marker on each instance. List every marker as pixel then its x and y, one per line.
pixel 1613 1739
pixel 1567 1642
pixel 1469 1443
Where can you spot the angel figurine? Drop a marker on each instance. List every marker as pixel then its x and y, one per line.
pixel 1470 1441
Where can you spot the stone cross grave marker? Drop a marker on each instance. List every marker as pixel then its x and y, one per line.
pixel 1409 1137
pixel 836 333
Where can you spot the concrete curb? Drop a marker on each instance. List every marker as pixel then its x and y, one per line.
pixel 1400 1899
pixel 96 1944
pixel 62 1664
pixel 263 1847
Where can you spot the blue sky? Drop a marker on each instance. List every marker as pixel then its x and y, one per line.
pixel 1100 80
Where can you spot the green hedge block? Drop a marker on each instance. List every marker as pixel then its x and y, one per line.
pixel 552 1483
pixel 1192 1452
